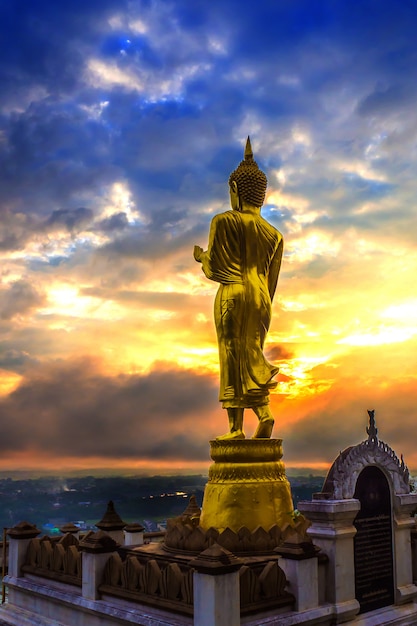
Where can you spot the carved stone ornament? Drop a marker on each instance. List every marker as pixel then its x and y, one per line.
pixel 59 560
pixel 99 542
pixel 23 530
pixel 69 528
pixel 169 585
pixel 341 480
pixel 134 527
pixel 216 560
pixel 187 538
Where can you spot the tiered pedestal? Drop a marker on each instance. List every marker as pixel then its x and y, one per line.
pixel 247 486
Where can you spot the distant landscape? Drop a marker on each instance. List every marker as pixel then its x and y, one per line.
pixel 50 501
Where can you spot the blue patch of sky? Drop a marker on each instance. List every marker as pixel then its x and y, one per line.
pixel 43 265
pixel 170 180
pixel 38 264
pixel 132 46
pixel 270 213
pixel 273 212
pixel 366 187
pixel 265 28
pixel 168 108
pixel 272 162
pixel 309 15
pixel 192 15
pixel 224 159
pixel 56 261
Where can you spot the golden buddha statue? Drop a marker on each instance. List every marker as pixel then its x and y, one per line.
pixel 244 255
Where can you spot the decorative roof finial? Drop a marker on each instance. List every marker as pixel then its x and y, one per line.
pixel 372 429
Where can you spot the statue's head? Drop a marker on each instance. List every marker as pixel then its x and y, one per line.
pixel 248 180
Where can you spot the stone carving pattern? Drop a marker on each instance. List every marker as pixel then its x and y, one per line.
pixel 248 450
pixel 247 472
pixel 194 539
pixel 369 452
pixel 62 557
pixel 158 579
pixel 151 578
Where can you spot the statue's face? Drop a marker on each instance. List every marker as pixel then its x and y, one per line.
pixel 234 196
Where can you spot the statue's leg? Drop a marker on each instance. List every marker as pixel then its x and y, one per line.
pixel 235 424
pixel 266 422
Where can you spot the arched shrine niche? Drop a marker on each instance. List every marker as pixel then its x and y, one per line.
pixel 340 483
pixel 362 520
pixel 373 542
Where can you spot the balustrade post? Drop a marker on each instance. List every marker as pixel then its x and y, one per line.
pixel 20 537
pixel 96 550
pixel 216 588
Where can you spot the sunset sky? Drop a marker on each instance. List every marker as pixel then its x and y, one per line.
pixel 120 122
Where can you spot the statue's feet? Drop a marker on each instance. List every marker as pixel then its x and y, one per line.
pixel 235 434
pixel 264 430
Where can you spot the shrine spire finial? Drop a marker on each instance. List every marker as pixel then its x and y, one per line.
pixel 372 429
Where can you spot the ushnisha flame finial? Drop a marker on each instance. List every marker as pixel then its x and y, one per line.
pixel 248 150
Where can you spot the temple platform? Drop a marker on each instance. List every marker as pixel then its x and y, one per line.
pixel 349 558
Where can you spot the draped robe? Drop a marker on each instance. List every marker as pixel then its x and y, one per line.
pixel 244 255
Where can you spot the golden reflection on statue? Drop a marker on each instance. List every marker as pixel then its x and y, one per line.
pixel 244 255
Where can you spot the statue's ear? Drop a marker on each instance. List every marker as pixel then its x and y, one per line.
pixel 234 196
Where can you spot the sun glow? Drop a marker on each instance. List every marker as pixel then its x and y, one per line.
pixel 9 381
pixel 185 283
pixel 307 248
pixel 301 379
pixel 379 337
pixel 119 200
pixel 65 299
pixel 405 312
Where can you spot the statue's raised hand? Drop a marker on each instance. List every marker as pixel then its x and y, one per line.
pixel 197 253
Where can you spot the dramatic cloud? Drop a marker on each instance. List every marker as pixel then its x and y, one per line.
pixel 19 298
pixel 120 123
pixel 82 412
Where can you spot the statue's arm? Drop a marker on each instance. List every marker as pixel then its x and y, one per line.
pixel 275 267
pixel 205 257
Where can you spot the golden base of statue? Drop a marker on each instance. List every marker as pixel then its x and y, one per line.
pixel 247 486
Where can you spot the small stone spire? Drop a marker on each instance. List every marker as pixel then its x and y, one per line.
pixel 192 510
pixel 372 429
pixel 111 519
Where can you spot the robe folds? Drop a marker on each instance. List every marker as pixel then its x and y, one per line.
pixel 244 255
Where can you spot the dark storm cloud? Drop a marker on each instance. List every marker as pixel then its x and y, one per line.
pixel 15 360
pixel 40 341
pixel 117 221
pixel 15 230
pixel 73 220
pixel 18 299
pixel 152 242
pixel 80 411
